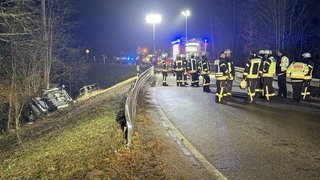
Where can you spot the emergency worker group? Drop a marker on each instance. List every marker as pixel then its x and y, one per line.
pixel 260 70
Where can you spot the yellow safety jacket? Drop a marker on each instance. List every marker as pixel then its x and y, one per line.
pixel 220 69
pixel 253 68
pixel 164 67
pixel 297 71
pixel 284 63
pixel 308 76
pixel 178 65
pixel 269 67
pixel 204 67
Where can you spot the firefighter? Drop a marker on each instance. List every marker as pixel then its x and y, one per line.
pixel 178 70
pixel 193 70
pixel 231 71
pixel 307 59
pixel 297 71
pixel 204 69
pixel 164 70
pixel 259 88
pixel 268 71
pixel 282 66
pixel 185 71
pixel 221 74
pixel 251 74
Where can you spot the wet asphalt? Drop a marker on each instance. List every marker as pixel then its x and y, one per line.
pixel 275 139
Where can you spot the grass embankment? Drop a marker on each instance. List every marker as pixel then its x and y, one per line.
pixel 77 143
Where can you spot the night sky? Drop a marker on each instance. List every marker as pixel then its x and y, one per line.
pixel 115 26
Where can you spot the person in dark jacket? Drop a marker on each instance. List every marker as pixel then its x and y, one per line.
pixel 221 75
pixel 251 74
pixel 231 71
pixel 282 66
pixel 204 69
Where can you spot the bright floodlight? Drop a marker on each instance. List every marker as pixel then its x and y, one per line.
pixel 186 13
pixel 153 18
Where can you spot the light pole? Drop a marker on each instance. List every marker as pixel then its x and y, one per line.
pixel 186 13
pixel 153 19
pixel 87 51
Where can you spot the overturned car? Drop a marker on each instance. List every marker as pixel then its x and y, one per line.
pixel 49 101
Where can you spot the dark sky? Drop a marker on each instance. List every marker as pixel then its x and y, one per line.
pixel 115 26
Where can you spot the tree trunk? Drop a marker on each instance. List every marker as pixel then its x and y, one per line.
pixel 45 45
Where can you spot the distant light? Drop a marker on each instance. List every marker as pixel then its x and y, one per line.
pixel 178 40
pixel 186 13
pixel 131 58
pixel 205 40
pixel 87 51
pixel 153 18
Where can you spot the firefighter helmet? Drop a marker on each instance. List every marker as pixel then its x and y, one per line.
pixel 262 52
pixel 228 51
pixel 306 55
pixel 243 84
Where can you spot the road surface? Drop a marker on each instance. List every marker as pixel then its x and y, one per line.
pixel 264 140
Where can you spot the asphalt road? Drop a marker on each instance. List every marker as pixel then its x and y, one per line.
pixel 264 140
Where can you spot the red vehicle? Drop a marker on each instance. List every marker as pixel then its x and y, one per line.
pixel 195 46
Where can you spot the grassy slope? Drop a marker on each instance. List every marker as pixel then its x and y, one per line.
pixel 75 143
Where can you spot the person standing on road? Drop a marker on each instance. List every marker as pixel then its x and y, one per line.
pixel 307 59
pixel 178 70
pixel 251 74
pixel 297 71
pixel 193 70
pixel 231 71
pixel 164 70
pixel 221 74
pixel 185 71
pixel 259 88
pixel 204 68
pixel 282 66
pixel 268 71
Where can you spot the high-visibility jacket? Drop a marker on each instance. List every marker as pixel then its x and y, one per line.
pixel 178 65
pixel 269 67
pixel 308 76
pixel 164 67
pixel 253 68
pixel 297 71
pixel 192 65
pixel 220 69
pixel 204 67
pixel 230 67
pixel 284 63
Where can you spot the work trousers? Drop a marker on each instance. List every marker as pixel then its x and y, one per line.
pixel 306 89
pixel 164 78
pixel 297 88
pixel 194 79
pixel 229 87
pixel 268 89
pixel 221 92
pixel 179 80
pixel 252 86
pixel 206 82
pixel 282 84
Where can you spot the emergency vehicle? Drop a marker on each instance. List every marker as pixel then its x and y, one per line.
pixel 195 46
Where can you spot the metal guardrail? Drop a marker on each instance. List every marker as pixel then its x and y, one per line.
pixel 239 70
pixel 131 103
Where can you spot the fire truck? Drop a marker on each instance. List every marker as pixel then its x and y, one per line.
pixel 195 46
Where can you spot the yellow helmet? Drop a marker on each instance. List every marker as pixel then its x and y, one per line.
pixel 243 84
